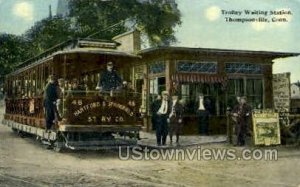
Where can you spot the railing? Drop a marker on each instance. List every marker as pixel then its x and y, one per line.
pixel 32 107
pixel 83 107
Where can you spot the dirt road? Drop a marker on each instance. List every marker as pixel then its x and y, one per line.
pixel 25 162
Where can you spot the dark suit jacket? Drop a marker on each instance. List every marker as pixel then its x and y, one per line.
pixel 178 109
pixel 110 80
pixel 244 114
pixel 155 107
pixel 50 94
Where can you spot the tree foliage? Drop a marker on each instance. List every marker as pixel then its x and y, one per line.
pixel 14 49
pixel 48 33
pixel 156 18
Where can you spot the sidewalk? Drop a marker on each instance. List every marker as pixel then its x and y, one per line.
pixel 149 140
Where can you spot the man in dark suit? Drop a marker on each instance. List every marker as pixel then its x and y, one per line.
pixel 162 112
pixel 50 98
pixel 109 80
pixel 203 110
pixel 175 118
pixel 242 114
pixel 154 108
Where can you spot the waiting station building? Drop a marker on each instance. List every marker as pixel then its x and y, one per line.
pixel 220 75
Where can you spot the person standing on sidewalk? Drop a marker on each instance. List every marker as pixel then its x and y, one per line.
pixel 162 116
pixel 155 105
pixel 242 113
pixel 175 119
pixel 203 111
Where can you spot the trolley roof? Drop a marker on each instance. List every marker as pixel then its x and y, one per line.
pixel 78 46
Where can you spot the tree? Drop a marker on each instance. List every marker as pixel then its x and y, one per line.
pixel 48 33
pixel 159 28
pixel 156 18
pixel 13 51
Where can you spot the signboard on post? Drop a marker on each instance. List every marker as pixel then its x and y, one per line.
pixel 281 92
pixel 282 96
pixel 266 130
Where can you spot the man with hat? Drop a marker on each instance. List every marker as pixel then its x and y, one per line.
pixel 242 113
pixel 175 118
pixel 162 112
pixel 109 80
pixel 50 97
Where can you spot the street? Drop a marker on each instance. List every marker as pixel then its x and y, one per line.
pixel 26 162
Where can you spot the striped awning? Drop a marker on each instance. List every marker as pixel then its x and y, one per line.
pixel 198 78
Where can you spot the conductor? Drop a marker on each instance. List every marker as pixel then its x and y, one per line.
pixel 109 80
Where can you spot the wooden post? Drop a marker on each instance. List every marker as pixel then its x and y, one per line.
pixel 145 96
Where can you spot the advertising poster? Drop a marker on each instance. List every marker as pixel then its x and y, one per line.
pixel 266 128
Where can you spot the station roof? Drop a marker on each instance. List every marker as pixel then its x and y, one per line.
pixel 212 51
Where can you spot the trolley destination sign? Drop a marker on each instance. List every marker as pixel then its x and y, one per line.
pixel 104 105
pixel 98 110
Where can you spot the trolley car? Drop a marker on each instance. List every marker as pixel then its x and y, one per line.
pixel 90 119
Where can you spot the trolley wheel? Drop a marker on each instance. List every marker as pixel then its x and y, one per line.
pixel 21 134
pixel 58 149
pixel 59 144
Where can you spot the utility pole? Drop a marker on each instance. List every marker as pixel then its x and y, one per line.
pixel 50 12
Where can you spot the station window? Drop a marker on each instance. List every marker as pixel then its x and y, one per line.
pixel 235 87
pixel 185 92
pixel 157 67
pixel 157 85
pixel 190 93
pixel 244 68
pixel 251 88
pixel 196 67
pixel 255 93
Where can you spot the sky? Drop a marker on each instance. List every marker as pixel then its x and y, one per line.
pixel 203 25
pixel 17 16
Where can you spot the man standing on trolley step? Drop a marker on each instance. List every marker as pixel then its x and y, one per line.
pixel 50 98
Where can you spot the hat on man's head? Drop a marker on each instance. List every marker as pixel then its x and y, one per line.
pixel 52 77
pixel 164 93
pixel 110 63
pixel 175 93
